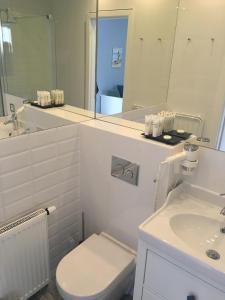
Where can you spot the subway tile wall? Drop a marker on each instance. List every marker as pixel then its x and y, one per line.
pixel 40 170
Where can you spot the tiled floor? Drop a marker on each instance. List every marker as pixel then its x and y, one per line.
pixel 51 293
pixel 48 293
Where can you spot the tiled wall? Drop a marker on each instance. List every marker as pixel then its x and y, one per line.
pixel 40 170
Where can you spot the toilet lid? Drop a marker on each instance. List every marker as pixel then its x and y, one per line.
pixel 93 267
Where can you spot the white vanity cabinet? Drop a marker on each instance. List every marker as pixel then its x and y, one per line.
pixel 181 248
pixel 157 278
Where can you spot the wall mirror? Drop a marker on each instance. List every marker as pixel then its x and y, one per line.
pixel 163 55
pixel 45 46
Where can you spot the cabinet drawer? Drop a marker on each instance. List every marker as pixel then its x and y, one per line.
pixel 173 283
pixel 150 296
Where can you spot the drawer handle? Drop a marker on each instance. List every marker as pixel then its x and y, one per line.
pixel 191 297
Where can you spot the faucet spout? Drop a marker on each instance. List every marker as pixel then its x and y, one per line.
pixel 222 212
pixel 13 119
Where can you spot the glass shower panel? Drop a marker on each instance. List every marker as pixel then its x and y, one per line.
pixel 2 113
pixel 29 55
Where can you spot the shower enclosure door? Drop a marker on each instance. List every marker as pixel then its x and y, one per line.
pixel 2 110
pixel 2 71
pixel 28 56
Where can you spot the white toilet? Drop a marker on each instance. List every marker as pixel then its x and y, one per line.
pixel 100 268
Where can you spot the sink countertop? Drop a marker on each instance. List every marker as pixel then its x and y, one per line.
pixel 185 228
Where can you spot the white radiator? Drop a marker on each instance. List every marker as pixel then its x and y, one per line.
pixel 24 256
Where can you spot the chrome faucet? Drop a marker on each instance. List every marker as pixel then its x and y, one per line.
pixel 222 212
pixel 13 119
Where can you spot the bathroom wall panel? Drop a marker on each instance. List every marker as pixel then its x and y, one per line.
pixel 40 170
pixel 110 204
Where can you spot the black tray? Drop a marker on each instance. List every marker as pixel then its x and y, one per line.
pixel 172 142
pixel 184 136
pixel 47 106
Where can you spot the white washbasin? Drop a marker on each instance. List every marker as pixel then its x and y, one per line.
pixel 8 131
pixel 188 229
pixel 197 231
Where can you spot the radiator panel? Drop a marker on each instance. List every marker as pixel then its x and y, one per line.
pixel 24 257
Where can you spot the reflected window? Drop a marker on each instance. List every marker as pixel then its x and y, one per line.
pixel 7 37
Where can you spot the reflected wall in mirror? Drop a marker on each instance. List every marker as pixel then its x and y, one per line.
pixel 197 83
pixel 45 46
pixel 144 31
pixel 173 60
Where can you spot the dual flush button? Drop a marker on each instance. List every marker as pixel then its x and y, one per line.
pixel 125 170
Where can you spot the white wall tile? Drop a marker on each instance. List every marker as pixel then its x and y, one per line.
pixel 69 146
pixel 65 235
pixel 14 162
pixel 46 195
pixel 68 187
pixel 44 153
pixel 69 209
pixel 18 208
pixel 69 159
pixel 17 193
pixel 2 215
pixel 70 171
pixel 67 132
pixel 47 181
pixel 40 170
pixel 43 138
pixel 65 221
pixel 14 145
pixel 16 178
pixel 45 167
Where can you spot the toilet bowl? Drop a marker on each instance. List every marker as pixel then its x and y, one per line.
pixel 100 268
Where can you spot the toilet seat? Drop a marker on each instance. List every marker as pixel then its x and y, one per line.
pixel 93 268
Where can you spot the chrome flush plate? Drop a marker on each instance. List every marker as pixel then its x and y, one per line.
pixel 125 170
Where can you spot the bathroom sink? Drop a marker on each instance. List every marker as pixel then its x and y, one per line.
pixel 190 229
pixel 7 130
pixel 197 231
